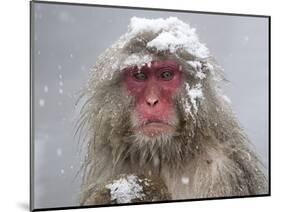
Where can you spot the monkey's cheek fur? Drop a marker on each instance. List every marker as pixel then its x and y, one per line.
pixel 153 130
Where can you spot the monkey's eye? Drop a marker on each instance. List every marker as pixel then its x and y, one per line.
pixel 140 76
pixel 166 75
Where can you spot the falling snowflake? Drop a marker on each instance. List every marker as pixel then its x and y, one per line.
pixel 185 180
pixel 41 102
pixel 59 152
pixel 61 91
pixel 60 83
pixel 46 89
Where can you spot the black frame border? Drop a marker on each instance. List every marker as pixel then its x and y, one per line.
pixel 31 104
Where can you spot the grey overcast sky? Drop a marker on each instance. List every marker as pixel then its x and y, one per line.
pixel 67 41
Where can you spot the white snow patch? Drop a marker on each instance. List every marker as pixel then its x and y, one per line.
pixel 41 102
pixel 115 65
pixel 195 94
pixel 125 189
pixel 173 34
pixel 210 67
pixel 62 171
pixel 187 107
pixel 197 66
pixel 200 75
pixel 185 180
pixel 136 59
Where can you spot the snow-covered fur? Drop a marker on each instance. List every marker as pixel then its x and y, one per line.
pixel 209 156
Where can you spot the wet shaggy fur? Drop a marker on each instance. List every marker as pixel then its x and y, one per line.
pixel 209 149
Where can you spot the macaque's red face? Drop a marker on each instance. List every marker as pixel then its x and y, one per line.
pixel 153 87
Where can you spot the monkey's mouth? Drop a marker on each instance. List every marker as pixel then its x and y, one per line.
pixel 154 128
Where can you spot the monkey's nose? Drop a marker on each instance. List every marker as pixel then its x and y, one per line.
pixel 152 101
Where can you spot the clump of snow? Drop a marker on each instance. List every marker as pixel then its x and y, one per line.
pixel 197 66
pixel 185 180
pixel 136 59
pixel 62 171
pixel 125 189
pixel 172 33
pixel 200 75
pixel 187 107
pixel 194 94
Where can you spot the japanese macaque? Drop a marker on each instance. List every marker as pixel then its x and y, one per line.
pixel 158 127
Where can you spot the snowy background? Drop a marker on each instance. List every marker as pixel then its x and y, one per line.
pixel 67 41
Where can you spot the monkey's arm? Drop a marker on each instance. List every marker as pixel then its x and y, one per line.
pixel 129 189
